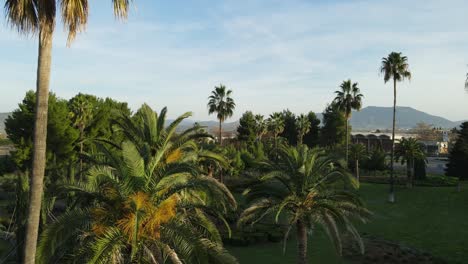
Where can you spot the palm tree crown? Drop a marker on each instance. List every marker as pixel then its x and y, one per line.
pixel 303 127
pixel 395 67
pixel 221 103
pixel 143 201
pixel 348 98
pixel 34 16
pixel 408 151
pixel 302 185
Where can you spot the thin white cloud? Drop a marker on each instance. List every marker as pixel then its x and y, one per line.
pixel 275 55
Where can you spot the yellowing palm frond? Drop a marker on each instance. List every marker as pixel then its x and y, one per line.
pixel 174 156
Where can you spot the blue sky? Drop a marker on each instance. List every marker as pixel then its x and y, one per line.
pixel 272 54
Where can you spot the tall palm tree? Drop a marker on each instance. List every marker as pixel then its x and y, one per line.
pixel 358 153
pixel 276 125
pixel 141 202
pixel 408 151
pixel 348 99
pixel 394 67
pixel 221 103
pixel 38 17
pixel 302 126
pixel 303 185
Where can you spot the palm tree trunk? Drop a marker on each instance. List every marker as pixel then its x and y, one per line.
pixel 220 133
pixel 408 174
pixel 357 170
pixel 172 255
pixel 81 154
pixel 276 141
pixel 301 242
pixel 391 197
pixel 347 139
pixel 40 140
pixel 412 174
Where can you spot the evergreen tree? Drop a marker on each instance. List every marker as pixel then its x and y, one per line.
pixel 333 131
pixel 246 128
pixel 290 129
pixel 61 134
pixel 458 157
pixel 311 138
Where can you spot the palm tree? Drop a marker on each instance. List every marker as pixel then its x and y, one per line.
pixel 221 103
pixel 358 153
pixel 276 125
pixel 408 151
pixel 303 127
pixel 348 99
pixel 302 185
pixel 31 17
pixel 141 202
pixel 81 114
pixel 394 67
pixel 261 127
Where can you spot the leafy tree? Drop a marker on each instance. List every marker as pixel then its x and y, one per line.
pixel 303 127
pixel 31 17
pixel 144 201
pixel 246 128
pixel 311 138
pixel 376 161
pixel 221 103
pixel 333 131
pixel 61 134
pixel 276 126
pixel 408 151
pixel 290 129
pixel 302 185
pixel 458 156
pixel 420 169
pixel 426 132
pixel 358 153
pixel 348 99
pixel 394 67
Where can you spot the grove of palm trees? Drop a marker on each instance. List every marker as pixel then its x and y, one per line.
pixel 94 178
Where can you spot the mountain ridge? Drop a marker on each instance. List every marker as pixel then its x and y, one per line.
pixel 369 118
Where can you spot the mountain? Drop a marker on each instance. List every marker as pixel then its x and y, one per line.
pixel 377 117
pixel 369 118
pixel 3 116
pixel 210 125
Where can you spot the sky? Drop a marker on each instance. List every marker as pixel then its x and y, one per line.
pixel 273 55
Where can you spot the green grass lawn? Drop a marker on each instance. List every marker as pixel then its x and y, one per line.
pixel 432 219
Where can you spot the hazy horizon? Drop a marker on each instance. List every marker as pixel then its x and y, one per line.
pixel 273 55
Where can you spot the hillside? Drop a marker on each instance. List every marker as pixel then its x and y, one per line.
pixel 3 116
pixel 377 117
pixel 369 118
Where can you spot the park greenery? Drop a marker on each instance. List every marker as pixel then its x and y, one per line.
pixel 123 186
pixel 91 181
